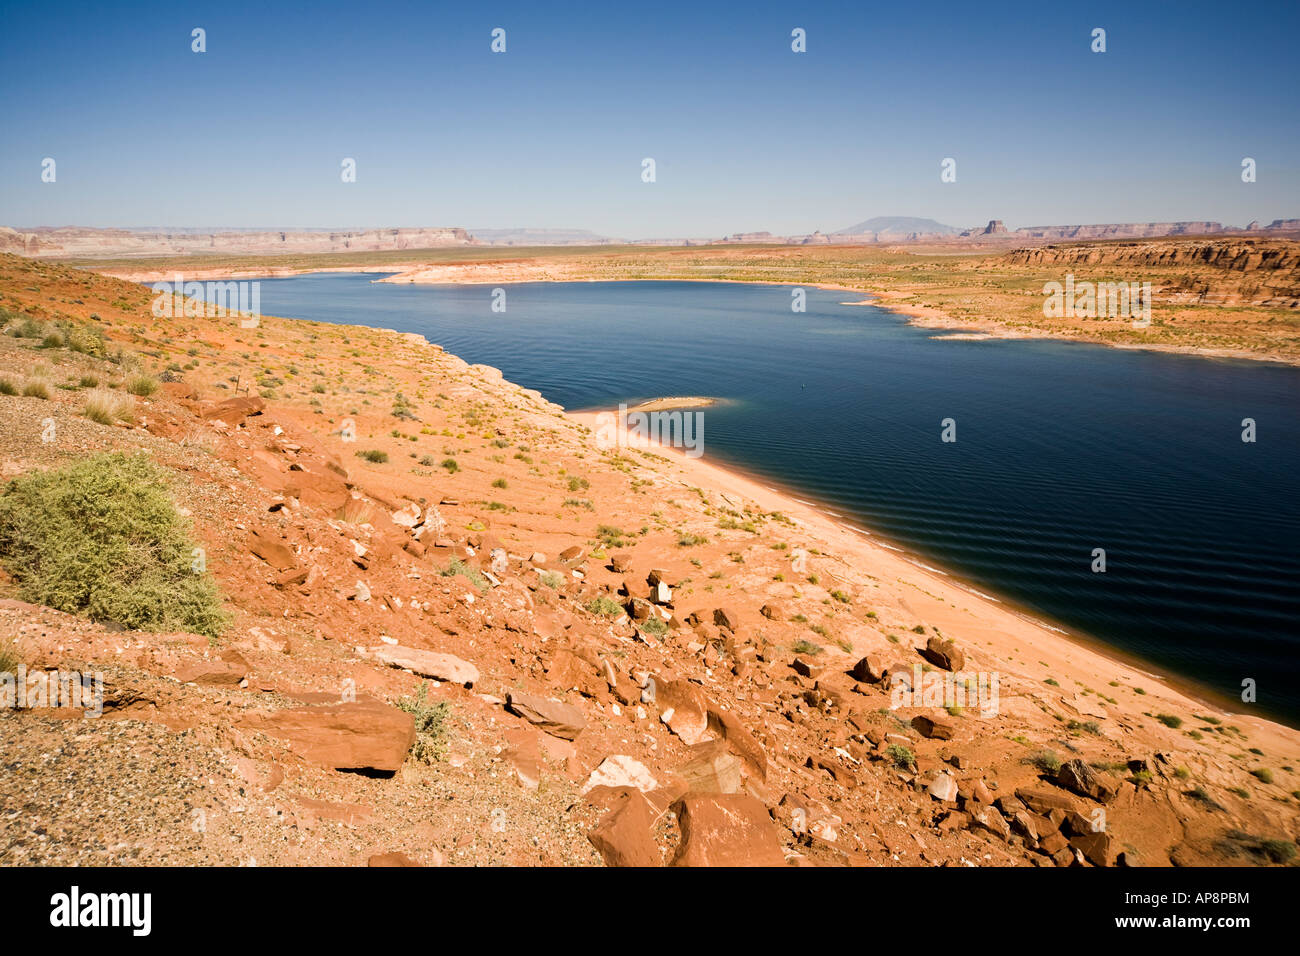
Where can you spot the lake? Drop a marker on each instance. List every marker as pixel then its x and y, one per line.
pixel 1062 448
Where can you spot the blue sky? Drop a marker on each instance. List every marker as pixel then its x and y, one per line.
pixel 746 134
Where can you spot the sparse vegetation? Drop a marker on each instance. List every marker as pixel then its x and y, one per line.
pixel 102 538
pixel 902 757
pixel 604 606
pixel 106 406
pixel 430 725
pixel 142 385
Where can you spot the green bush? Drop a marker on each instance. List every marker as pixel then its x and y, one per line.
pixel 654 626
pixel 468 572
pixel 430 725
pixel 374 455
pixel 1047 761
pixel 902 757
pixel 604 606
pixel 102 538
pixel 142 385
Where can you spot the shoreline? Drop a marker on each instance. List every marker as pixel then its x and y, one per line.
pixel 872 550
pixel 735 479
pixel 921 316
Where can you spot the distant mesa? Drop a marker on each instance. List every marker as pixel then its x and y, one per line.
pixel 74 241
pixel 894 228
pixel 528 236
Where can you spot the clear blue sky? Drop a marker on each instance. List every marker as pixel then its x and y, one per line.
pixel 746 134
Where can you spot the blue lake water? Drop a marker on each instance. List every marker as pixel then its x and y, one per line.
pixel 1061 448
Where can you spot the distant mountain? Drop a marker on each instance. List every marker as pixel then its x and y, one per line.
pixel 902 225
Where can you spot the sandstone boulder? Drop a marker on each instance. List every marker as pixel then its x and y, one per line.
pixel 558 719
pixel 942 652
pixel 364 735
pixel 726 830
pixel 442 667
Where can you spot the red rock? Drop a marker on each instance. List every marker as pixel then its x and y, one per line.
pixel 684 707
pixel 1078 776
pixel 933 727
pixel 942 652
pixel 316 484
pixel 625 835
pixel 275 553
pixel 806 668
pixel 443 667
pixel 233 411
pixel 391 859
pixel 726 830
pixel 986 818
pixel 212 672
pixel 739 741
pixel 870 669
pixel 292 577
pixel 712 769
pixel 556 718
pixel 363 735
pixel 523 755
pixel 773 612
pixel 1053 843
pixel 725 617
pixel 1096 846
pixel 1044 801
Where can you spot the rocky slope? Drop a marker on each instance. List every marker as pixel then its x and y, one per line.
pixel 625 658
pixel 1212 271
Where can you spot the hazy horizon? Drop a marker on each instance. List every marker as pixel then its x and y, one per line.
pixel 746 134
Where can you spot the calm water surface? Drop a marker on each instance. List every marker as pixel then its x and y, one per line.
pixel 1061 448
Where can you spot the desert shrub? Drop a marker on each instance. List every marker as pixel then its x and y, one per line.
pixel 1169 720
pixel 142 385
pixel 902 757
pixel 7 387
pixel 374 455
pixel 471 574
pixel 654 626
pixel 37 388
pixel 1047 761
pixel 102 537
pixel 84 339
pixel 106 406
pixel 604 606
pixel 430 725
